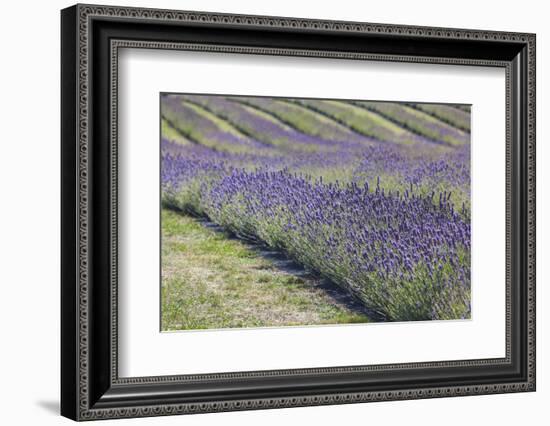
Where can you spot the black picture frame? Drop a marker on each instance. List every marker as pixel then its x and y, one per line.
pixel 90 386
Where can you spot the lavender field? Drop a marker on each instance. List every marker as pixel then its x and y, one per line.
pixel 281 211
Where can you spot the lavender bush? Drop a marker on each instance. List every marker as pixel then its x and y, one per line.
pixel 387 221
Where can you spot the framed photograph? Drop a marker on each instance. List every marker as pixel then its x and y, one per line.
pixel 263 212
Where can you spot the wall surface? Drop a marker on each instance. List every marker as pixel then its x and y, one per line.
pixel 29 225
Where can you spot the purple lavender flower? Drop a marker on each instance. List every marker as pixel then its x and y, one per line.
pixel 377 217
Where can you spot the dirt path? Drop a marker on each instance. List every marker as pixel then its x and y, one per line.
pixel 210 280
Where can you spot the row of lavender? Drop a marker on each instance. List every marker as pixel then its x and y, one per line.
pixel 386 220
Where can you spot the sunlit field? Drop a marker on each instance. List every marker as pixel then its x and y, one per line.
pixel 293 212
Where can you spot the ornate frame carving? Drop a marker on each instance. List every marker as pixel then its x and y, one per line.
pixel 83 397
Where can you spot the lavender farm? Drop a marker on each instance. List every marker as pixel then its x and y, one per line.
pixel 294 212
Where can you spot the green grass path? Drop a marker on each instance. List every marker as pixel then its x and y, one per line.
pixel 210 280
